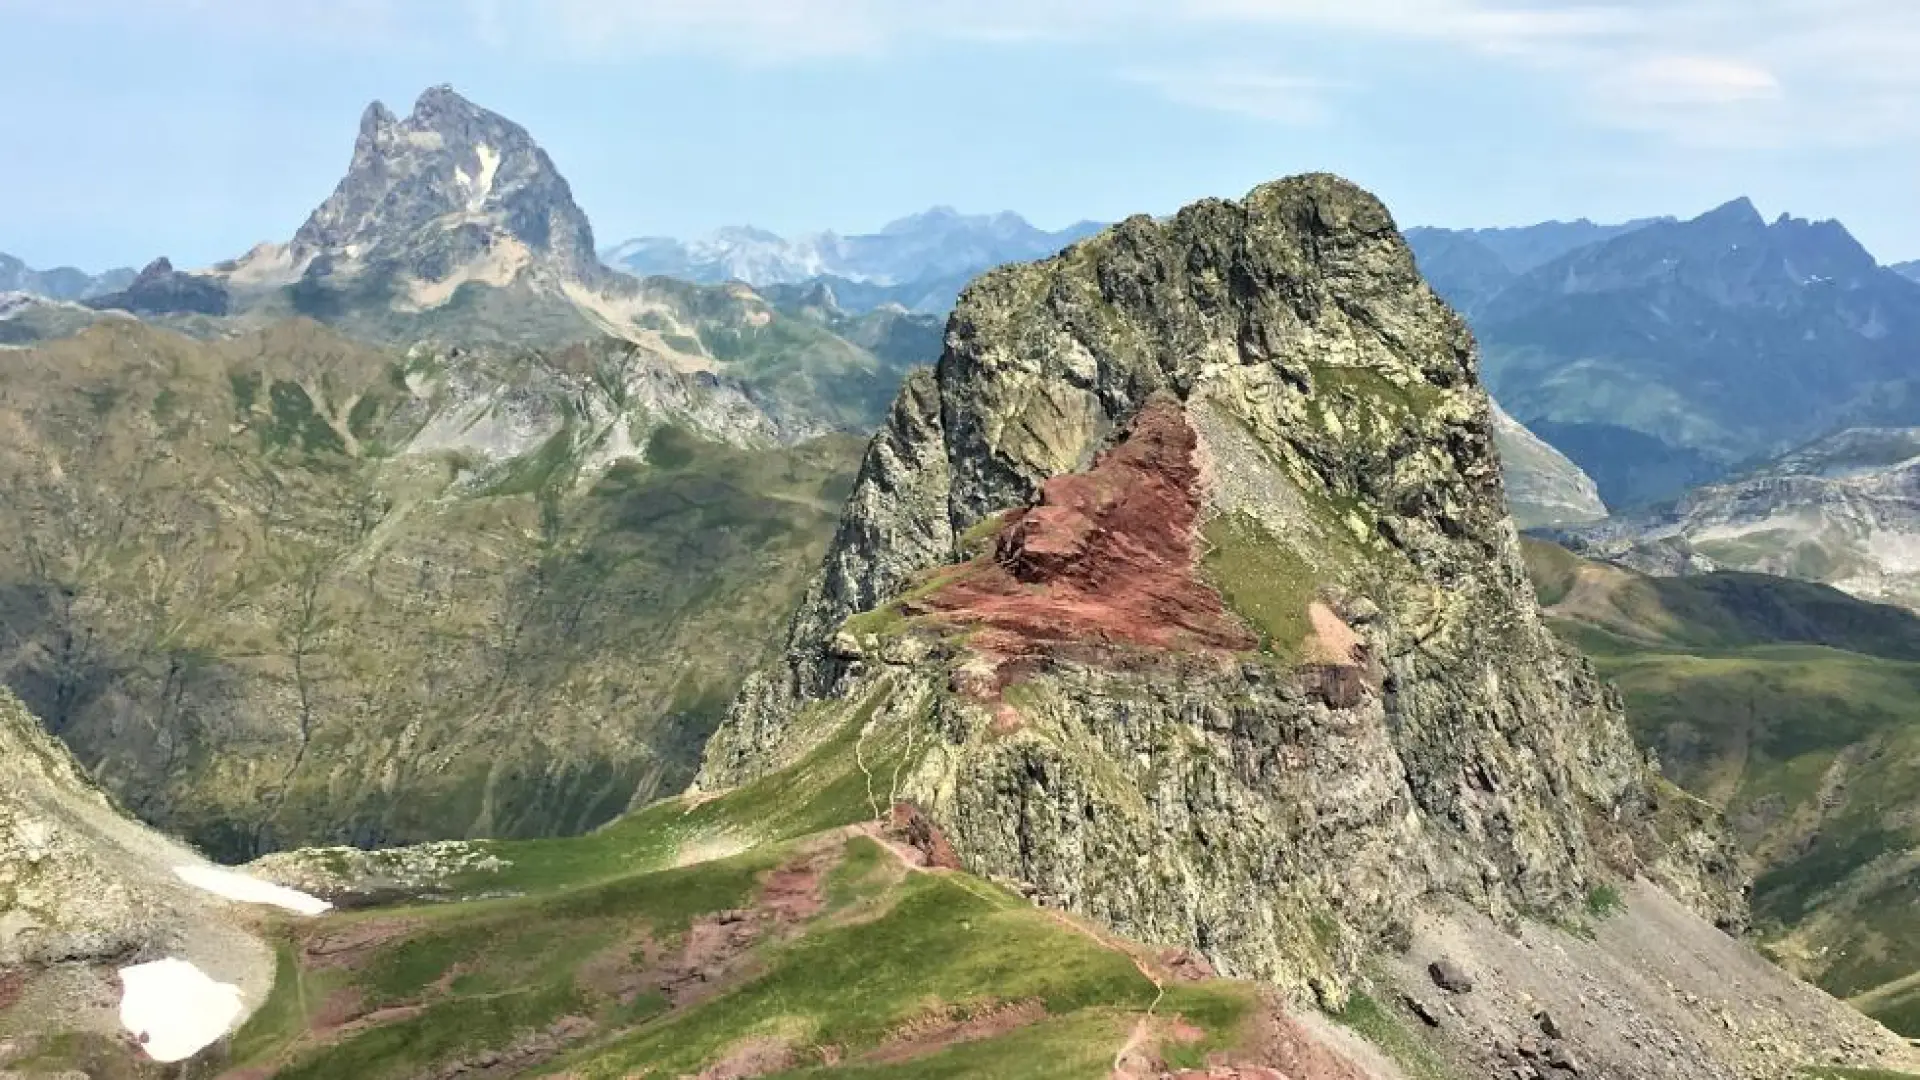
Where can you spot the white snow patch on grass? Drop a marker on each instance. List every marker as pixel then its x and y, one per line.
pixel 174 1010
pixel 250 890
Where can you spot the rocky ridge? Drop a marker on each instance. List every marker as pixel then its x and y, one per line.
pixel 1671 355
pixel 1406 725
pixel 61 282
pixel 1842 511
pixel 1544 487
pixel 432 594
pixel 920 262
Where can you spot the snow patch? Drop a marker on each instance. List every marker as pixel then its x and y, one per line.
pixel 174 1010
pixel 483 185
pixel 245 889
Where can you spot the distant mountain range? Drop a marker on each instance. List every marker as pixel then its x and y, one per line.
pixel 61 282
pixel 1842 511
pixel 920 262
pixel 1665 354
pixel 1907 269
pixel 1471 266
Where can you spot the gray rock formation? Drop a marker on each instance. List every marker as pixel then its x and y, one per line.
pixel 162 290
pixel 84 888
pixel 1543 486
pixel 1842 511
pixel 449 186
pixel 1090 728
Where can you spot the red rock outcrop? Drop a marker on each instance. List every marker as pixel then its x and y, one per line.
pixel 1105 558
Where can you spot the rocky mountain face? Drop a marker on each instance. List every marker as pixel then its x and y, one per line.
pixel 1907 269
pixel 453 226
pixel 161 290
pixel 452 188
pixel 285 588
pixel 1667 356
pixel 61 282
pixel 919 262
pixel 1794 707
pixel 82 889
pixel 1843 511
pixel 1543 487
pixel 1188 583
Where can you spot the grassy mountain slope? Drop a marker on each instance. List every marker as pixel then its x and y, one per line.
pixel 1797 709
pixel 754 929
pixel 287 589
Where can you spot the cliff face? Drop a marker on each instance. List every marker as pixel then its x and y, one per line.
pixel 1189 575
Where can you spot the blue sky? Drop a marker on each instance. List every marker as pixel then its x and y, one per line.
pixel 195 128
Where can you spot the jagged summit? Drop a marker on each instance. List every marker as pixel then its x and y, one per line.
pixel 1740 211
pixel 920 261
pixel 1383 717
pixel 452 185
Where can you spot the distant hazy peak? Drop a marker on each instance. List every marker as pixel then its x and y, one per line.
pixel 921 260
pixel 1740 211
pixel 60 282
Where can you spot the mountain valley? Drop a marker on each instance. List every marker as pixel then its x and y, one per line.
pixel 436 649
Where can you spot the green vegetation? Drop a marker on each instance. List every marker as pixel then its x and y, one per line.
pixel 823 790
pixel 1604 900
pixel 1796 709
pixel 1381 1027
pixel 943 941
pixel 1262 579
pixel 521 648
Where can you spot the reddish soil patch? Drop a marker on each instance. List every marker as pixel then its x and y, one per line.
pixel 1185 965
pixel 911 826
pixel 1280 1048
pixel 349 946
pixel 752 1058
pixel 341 1008
pixel 1105 558
pixel 941 1028
pixel 516 1060
pixel 13 985
pixel 715 947
pixel 1183 1033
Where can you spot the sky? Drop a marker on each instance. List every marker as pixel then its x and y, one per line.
pixel 197 128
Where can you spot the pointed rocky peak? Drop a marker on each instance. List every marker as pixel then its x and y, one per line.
pixel 159 289
pixel 154 271
pixel 1193 551
pixel 376 119
pixel 1740 212
pixel 453 189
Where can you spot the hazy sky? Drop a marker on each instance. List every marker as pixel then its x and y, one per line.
pixel 195 128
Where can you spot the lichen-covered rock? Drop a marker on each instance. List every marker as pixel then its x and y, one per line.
pixel 1405 725
pixel 60 897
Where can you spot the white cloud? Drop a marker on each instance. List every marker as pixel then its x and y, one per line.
pixel 1279 99
pixel 1694 80
pixel 1721 72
